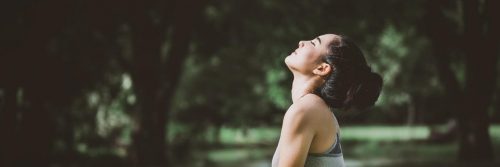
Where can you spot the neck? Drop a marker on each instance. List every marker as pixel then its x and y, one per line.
pixel 303 85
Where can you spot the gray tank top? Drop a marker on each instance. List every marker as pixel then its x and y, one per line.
pixel 331 158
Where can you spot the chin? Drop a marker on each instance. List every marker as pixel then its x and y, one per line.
pixel 287 60
pixel 290 66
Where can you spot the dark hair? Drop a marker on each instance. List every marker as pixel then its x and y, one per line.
pixel 351 84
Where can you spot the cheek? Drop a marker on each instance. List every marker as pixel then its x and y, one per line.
pixel 307 57
pixel 300 62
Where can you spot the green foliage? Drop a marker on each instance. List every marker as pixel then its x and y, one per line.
pixel 237 71
pixel 407 68
pixel 234 82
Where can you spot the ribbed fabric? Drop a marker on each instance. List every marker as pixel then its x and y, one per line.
pixel 331 158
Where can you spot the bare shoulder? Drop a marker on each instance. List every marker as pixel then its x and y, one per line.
pixel 306 109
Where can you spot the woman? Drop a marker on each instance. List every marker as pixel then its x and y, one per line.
pixel 330 72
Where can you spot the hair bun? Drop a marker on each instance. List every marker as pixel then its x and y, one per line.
pixel 352 84
pixel 367 92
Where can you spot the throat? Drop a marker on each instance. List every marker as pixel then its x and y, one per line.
pixel 302 86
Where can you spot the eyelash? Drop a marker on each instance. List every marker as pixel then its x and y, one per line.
pixel 313 43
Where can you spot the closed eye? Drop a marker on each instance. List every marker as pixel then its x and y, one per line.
pixel 313 43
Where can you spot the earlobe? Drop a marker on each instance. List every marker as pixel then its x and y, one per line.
pixel 323 69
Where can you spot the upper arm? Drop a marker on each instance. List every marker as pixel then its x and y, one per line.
pixel 296 137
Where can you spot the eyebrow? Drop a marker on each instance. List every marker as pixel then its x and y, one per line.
pixel 319 40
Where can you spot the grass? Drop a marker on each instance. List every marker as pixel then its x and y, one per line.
pixel 362 146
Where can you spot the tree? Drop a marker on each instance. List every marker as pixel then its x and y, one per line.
pixel 28 67
pixel 155 77
pixel 479 43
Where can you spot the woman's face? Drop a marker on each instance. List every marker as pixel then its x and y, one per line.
pixel 309 54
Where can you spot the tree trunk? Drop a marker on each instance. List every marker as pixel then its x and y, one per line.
pixel 155 81
pixel 34 73
pixel 150 140
pixel 147 47
pixel 8 126
pixel 481 59
pixel 438 29
pixel 481 52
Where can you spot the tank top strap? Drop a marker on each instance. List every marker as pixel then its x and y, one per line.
pixel 333 145
pixel 336 145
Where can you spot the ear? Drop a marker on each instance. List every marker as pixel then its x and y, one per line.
pixel 322 69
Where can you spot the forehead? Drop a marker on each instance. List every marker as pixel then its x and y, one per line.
pixel 328 38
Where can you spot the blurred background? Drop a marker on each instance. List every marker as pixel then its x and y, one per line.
pixel 90 83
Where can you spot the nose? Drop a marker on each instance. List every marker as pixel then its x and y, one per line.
pixel 301 44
